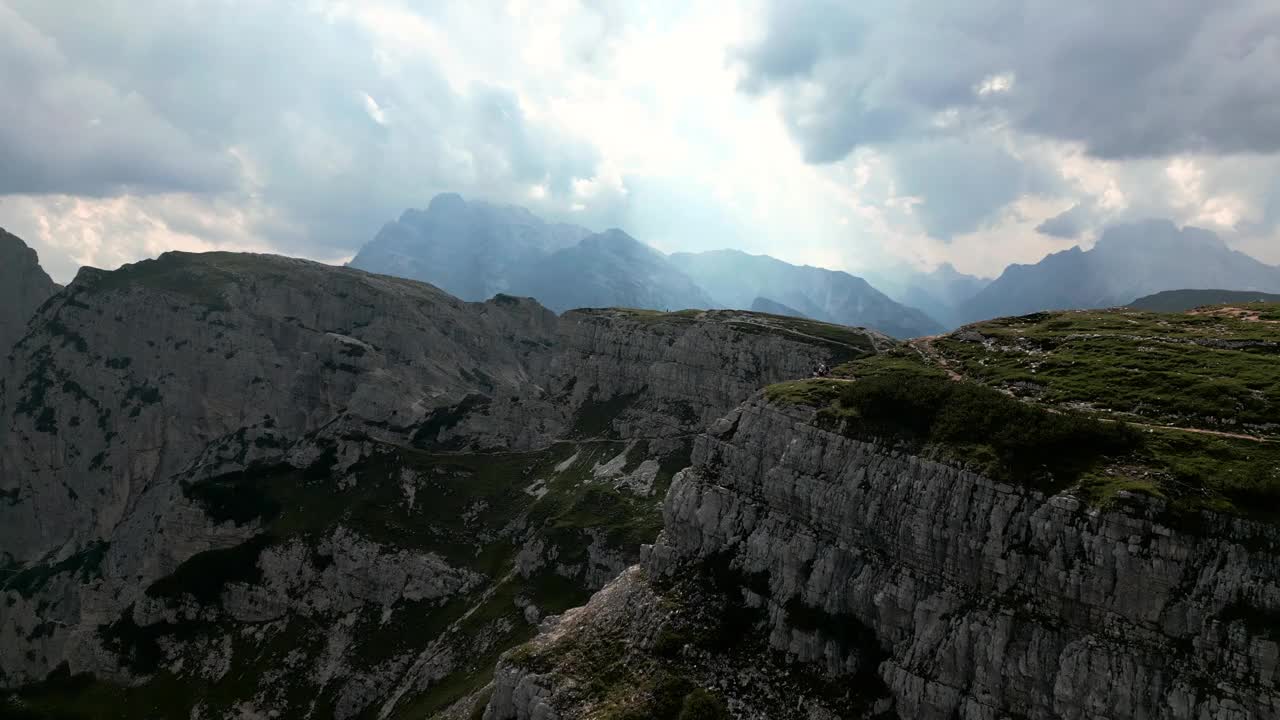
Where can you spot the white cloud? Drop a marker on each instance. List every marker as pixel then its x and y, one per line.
pixel 995 84
pixel 595 111
pixel 375 111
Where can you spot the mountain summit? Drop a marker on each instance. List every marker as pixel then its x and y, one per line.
pixel 1127 262
pixel 476 250
pixel 468 249
pixel 24 285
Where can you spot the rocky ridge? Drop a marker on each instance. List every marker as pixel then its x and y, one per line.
pixel 917 590
pixel 207 458
pixel 24 285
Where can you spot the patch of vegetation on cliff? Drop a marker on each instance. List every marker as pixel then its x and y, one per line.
pixel 472 509
pixel 240 497
pixel 700 637
pixel 204 575
pixel 1007 439
pixel 846 343
pixel 31 579
pixel 199 279
pixel 1191 370
pixel 1059 399
pixel 594 417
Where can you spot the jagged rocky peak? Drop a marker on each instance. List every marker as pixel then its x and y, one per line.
pixel 472 249
pixel 1128 261
pixel 24 285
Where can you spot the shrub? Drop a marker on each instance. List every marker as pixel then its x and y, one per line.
pixel 703 705
pixel 1022 442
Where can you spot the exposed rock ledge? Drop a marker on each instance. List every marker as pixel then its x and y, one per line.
pixel 969 598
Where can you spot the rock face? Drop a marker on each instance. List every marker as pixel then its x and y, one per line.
pixel 287 487
pixel 735 279
pixel 1128 261
pixel 931 591
pixel 24 285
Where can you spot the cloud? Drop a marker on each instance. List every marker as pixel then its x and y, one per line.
pixel 1068 224
pixel 833 133
pixel 963 183
pixel 329 118
pixel 67 131
pixel 1135 79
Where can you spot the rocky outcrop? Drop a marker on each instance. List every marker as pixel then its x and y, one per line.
pixel 127 376
pixel 344 487
pixel 959 596
pixel 24 285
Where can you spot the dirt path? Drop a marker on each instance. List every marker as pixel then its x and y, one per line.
pixel 924 347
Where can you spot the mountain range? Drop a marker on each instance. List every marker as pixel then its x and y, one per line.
pixel 1182 300
pixel 1127 262
pixel 475 249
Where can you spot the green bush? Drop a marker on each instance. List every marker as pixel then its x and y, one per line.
pixel 1023 443
pixel 703 705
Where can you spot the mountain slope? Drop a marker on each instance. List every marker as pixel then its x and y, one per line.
pixel 765 305
pixel 239 484
pixel 469 249
pixel 1182 300
pixel 735 279
pixel 1128 261
pixel 24 285
pixel 609 269
pixel 940 293
pixel 854 547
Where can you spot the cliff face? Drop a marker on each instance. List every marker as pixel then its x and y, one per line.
pixel 24 285
pixel 927 591
pixel 282 486
pixel 128 376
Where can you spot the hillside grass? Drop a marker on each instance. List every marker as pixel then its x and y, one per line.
pixel 1108 404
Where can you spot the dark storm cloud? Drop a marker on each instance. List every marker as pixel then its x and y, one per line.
pixel 1134 79
pixel 66 131
pixel 275 91
pixel 1069 224
pixel 962 183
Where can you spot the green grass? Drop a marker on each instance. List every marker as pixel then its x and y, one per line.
pixel 1003 437
pixel 814 393
pixel 1057 400
pixel 31 579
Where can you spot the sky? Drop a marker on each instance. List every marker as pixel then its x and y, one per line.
pixel 853 135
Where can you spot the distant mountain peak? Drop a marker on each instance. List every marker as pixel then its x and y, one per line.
pixel 1130 260
pixel 1157 234
pixel 447 202
pixel 475 250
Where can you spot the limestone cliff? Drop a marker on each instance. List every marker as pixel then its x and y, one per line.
pixel 282 486
pixel 913 589
pixel 24 285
